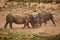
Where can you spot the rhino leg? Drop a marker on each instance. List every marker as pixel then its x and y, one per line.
pixel 5 25
pixel 28 25
pixel 45 23
pixel 32 24
pixel 10 24
pixel 41 23
pixel 53 21
pixel 25 24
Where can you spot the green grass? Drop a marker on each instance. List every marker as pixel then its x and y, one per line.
pixel 14 35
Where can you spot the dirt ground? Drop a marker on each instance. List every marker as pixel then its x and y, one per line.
pixel 48 29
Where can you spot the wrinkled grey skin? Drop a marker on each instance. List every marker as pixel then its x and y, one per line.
pixel 43 17
pixel 19 19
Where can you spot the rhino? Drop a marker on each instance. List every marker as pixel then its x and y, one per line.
pixel 22 18
pixel 44 17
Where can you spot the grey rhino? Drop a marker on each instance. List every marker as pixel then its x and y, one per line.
pixel 19 19
pixel 44 17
